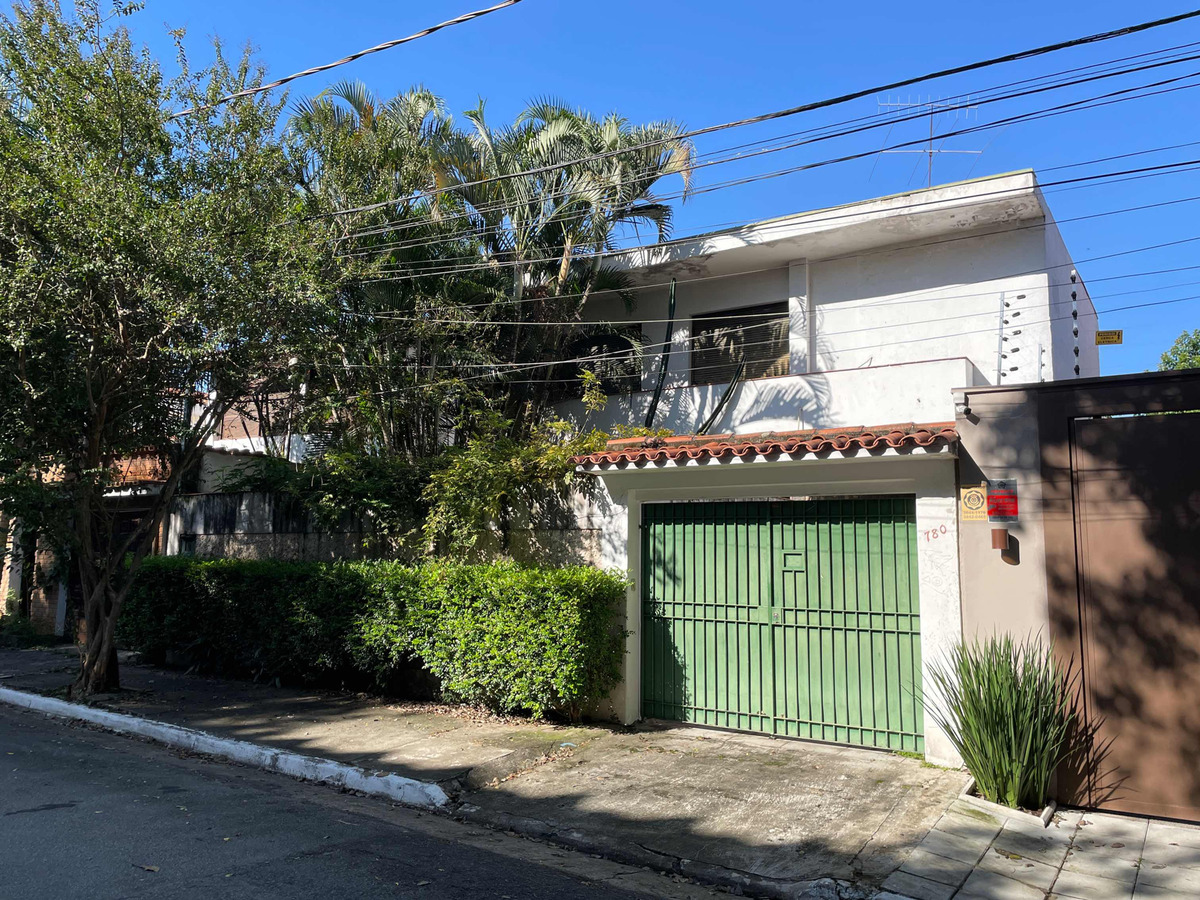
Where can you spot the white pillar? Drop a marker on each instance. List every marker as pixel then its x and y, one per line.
pixel 941 610
pixel 626 554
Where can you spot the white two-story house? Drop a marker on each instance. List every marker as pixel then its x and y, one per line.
pixel 794 566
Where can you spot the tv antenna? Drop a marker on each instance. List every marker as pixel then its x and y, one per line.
pixel 935 108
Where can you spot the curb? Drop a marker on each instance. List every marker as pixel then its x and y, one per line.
pixel 632 854
pixel 397 788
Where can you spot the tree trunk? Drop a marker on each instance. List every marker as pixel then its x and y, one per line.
pixel 99 672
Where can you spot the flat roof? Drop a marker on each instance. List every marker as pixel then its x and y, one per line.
pixel 995 202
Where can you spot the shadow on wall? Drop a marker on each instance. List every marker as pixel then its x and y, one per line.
pixel 1136 622
pixel 786 403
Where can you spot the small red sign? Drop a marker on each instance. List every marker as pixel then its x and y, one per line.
pixel 1002 505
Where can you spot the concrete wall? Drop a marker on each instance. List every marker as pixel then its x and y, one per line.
pixel 931 479
pixel 1024 433
pixel 1061 349
pixel 38 579
pixel 1003 593
pixel 914 392
pixel 943 299
pixel 871 334
pixel 567 529
pixel 259 526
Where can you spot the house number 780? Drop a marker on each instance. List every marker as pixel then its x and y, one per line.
pixel 934 533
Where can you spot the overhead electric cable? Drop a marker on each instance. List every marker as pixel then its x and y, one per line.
pixel 500 206
pixel 1122 95
pixel 386 45
pixel 809 107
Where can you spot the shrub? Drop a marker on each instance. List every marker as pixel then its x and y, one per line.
pixel 509 637
pixel 18 631
pixel 517 638
pixel 269 619
pixel 1007 709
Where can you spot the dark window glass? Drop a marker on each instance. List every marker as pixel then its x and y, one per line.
pixel 615 358
pixel 757 334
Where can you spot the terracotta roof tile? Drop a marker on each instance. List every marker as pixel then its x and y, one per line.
pixel 641 449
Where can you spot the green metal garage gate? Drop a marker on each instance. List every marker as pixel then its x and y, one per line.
pixel 792 617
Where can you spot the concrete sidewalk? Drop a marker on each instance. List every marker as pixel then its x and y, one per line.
pixel 772 817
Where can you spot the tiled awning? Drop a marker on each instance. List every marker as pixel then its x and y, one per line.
pixel 833 441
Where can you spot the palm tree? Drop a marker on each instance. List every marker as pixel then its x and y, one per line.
pixel 610 181
pixel 546 197
pixel 361 151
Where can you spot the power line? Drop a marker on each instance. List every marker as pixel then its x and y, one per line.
pixel 498 376
pixel 543 323
pixel 821 134
pixel 802 108
pixel 483 263
pixel 734 223
pixel 692 339
pixel 858 255
pixel 483 266
pixel 514 366
pixel 386 45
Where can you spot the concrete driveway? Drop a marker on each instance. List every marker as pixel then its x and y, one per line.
pixel 770 816
pixel 693 800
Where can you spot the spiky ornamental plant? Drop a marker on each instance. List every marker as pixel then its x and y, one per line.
pixel 1007 708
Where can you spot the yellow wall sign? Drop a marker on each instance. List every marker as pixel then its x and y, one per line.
pixel 973 503
pixel 1116 336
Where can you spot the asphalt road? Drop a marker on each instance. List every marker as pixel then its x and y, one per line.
pixel 85 813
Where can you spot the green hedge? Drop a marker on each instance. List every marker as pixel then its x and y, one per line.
pixel 512 638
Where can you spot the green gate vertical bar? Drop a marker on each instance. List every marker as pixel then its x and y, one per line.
pixel 790 617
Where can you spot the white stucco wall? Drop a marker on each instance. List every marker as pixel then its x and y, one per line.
pixel 931 478
pixel 879 395
pixel 929 301
pixel 876 337
pixel 1060 346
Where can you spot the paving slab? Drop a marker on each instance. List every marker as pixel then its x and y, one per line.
pixel 1089 887
pixel 1102 864
pixel 968 822
pixel 937 868
pixel 1171 855
pixel 948 844
pixel 984 885
pixel 914 887
pixel 1173 878
pixel 1028 871
pixel 1047 846
pixel 1173 833
pixel 1108 829
pixel 1154 892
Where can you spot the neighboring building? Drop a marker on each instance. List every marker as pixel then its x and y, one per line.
pixel 37 583
pixel 263 426
pixel 1103 558
pixel 796 569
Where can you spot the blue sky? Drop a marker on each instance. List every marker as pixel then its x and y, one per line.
pixel 710 61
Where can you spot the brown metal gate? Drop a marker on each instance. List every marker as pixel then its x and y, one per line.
pixel 1136 485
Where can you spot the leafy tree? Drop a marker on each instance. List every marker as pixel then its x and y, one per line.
pixel 449 346
pixel 388 381
pixel 1184 353
pixel 152 272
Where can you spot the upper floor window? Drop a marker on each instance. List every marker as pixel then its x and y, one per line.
pixel 757 334
pixel 614 357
